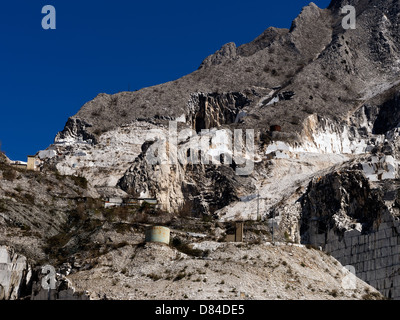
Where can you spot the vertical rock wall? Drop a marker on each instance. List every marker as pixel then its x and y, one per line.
pixel 19 281
pixel 15 274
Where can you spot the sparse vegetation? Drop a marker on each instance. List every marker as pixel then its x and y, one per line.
pixel 9 173
pixel 144 207
pixel 334 293
pixel 59 176
pixel 2 206
pixel 29 198
pixel 310 246
pixel 154 277
pixel 96 113
pixel 287 236
pixel 368 295
pixel 180 276
pixel 80 181
pixel 308 109
pixel 185 248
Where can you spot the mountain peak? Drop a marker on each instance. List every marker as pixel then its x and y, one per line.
pixel 227 52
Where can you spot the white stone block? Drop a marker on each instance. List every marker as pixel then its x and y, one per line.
pixel 4 255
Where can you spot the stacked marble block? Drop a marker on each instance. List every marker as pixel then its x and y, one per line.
pixel 375 256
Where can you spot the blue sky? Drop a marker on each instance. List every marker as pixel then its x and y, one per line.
pixel 108 47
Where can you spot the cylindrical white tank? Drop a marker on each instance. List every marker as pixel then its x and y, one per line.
pixel 158 234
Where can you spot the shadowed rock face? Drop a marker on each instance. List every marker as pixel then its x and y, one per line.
pixel 338 201
pixel 214 110
pixel 75 130
pixel 388 117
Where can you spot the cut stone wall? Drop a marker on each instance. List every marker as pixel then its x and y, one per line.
pixel 375 256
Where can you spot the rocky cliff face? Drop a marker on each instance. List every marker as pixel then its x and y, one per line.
pixel 178 183
pixel 214 110
pixel 319 167
pixel 15 274
pixel 18 280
